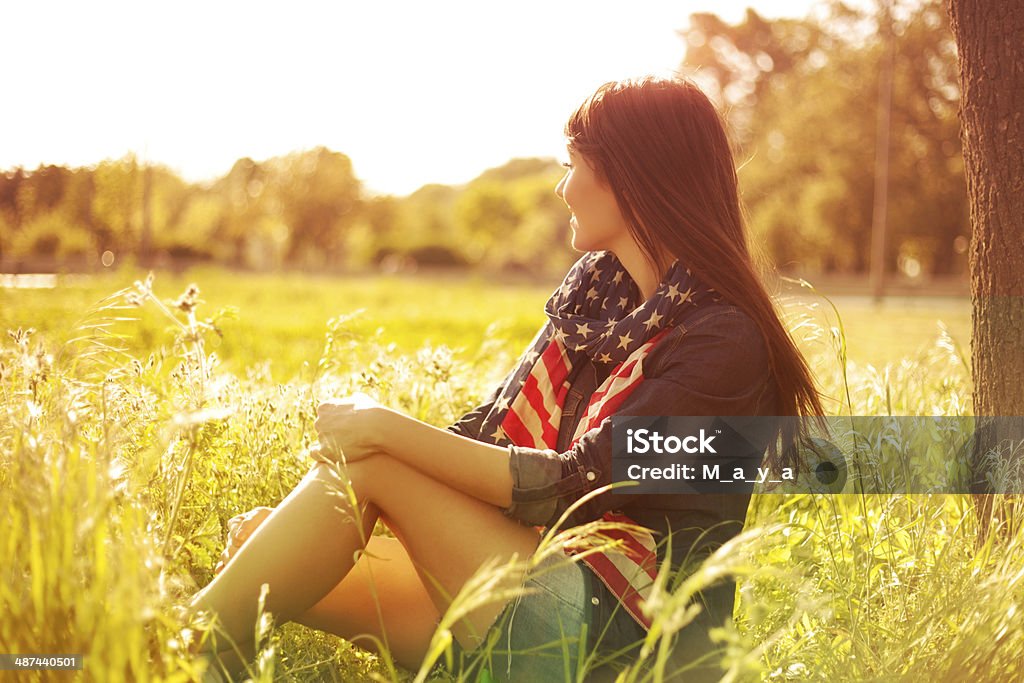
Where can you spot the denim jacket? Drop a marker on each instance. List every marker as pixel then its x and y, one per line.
pixel 715 363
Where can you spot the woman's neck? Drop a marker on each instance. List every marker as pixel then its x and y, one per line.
pixel 640 269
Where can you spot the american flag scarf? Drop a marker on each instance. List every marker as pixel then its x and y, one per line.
pixel 598 313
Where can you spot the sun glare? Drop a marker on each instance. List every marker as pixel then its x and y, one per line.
pixel 428 92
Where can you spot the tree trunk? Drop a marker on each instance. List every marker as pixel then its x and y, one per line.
pixel 990 41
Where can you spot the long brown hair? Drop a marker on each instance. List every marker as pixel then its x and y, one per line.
pixel 661 146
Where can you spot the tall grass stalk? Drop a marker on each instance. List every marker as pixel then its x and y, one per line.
pixel 118 475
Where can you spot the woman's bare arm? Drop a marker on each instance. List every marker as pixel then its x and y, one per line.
pixel 358 427
pixel 473 467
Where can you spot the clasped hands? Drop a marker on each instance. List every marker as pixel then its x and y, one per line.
pixel 349 428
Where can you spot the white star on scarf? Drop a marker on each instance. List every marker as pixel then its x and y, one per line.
pixel 531 356
pixel 591 294
pixel 687 295
pixel 583 329
pixel 618 277
pixel 624 341
pixel 498 434
pixel 502 403
pixel 597 274
pixel 673 292
pixel 653 320
pixel 622 302
pixel 605 358
pixel 560 335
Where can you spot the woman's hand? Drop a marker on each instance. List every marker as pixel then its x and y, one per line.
pixel 240 528
pixel 350 428
pixel 361 427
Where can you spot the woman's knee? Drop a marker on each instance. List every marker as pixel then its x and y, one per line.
pixel 356 477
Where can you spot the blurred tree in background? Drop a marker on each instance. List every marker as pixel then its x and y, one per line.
pixel 319 197
pixel 511 217
pixel 801 99
pixel 800 96
pixel 115 209
pixel 305 210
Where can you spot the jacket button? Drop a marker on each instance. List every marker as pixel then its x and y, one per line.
pixel 591 476
pixel 595 601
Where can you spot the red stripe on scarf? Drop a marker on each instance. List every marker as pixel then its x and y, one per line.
pixel 529 422
pixel 611 394
pixel 556 363
pixel 532 391
pixel 629 570
pixel 517 432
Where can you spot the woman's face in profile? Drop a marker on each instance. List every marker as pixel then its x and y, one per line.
pixel 596 222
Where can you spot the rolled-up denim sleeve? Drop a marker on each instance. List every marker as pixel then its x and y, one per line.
pixel 718 366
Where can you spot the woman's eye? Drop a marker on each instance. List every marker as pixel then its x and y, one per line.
pixel 567 164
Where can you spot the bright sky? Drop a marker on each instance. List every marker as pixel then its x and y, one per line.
pixel 413 92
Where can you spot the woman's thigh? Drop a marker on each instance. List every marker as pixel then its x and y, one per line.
pixel 448 535
pixel 381 598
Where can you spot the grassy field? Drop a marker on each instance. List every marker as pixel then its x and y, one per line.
pixel 124 453
pixel 282 319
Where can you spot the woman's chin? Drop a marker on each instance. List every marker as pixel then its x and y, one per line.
pixel 579 244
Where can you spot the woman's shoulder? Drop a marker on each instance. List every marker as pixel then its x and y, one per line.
pixel 727 323
pixel 718 345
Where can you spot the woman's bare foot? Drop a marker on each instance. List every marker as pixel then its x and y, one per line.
pixel 240 528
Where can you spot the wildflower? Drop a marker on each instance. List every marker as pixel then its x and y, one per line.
pixel 21 336
pixel 146 287
pixel 143 290
pixel 188 300
pixel 43 364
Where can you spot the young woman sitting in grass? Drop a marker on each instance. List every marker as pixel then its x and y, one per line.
pixel 664 314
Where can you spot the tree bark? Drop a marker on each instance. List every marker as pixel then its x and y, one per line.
pixel 990 40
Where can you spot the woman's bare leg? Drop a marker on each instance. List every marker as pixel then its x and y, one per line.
pixel 382 597
pixel 307 546
pixel 302 550
pixel 382 600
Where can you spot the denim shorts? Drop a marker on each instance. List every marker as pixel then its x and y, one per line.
pixel 567 620
pixel 564 616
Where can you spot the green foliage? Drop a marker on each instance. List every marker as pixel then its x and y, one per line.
pixel 47 234
pixel 280 319
pixel 132 467
pixel 801 97
pixel 509 217
pixel 116 203
pixel 121 461
pixel 305 209
pixel 427 215
pixel 484 214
